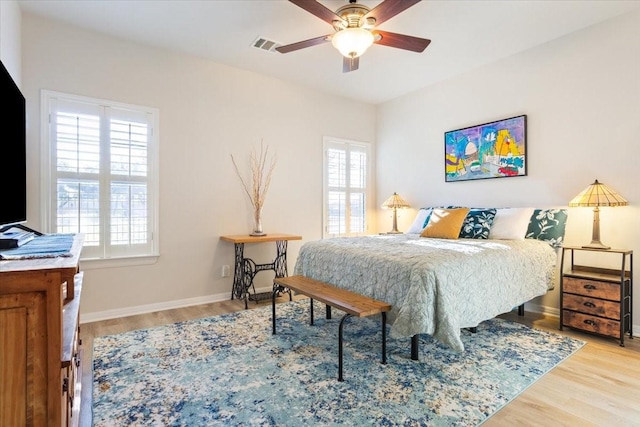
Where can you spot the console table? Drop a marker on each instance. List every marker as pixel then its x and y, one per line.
pixel 245 269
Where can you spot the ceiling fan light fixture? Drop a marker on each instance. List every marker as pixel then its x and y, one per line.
pixel 352 42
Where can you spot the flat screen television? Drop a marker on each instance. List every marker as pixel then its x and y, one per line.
pixel 13 171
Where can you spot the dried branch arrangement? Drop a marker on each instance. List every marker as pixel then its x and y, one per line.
pixel 261 173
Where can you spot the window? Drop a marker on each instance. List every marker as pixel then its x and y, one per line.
pixel 346 187
pixel 101 174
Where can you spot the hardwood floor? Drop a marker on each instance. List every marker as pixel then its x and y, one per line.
pixel 597 386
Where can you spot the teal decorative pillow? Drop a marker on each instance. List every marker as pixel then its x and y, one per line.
pixel 477 224
pixel 548 225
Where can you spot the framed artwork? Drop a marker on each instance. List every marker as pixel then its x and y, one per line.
pixel 490 150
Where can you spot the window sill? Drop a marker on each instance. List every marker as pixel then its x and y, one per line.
pixel 97 263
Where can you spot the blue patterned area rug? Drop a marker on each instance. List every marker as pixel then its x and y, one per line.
pixel 230 370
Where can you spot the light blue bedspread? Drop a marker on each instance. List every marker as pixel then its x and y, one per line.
pixel 436 286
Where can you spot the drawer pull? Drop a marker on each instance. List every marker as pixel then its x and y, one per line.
pixel 589 304
pixel 590 322
pixel 589 286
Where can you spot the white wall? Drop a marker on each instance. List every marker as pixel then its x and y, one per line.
pixel 581 95
pixel 208 111
pixel 10 39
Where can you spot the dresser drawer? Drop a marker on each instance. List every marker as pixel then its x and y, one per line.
pixel 591 288
pixel 591 323
pixel 593 306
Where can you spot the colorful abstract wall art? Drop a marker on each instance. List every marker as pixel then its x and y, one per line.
pixel 491 150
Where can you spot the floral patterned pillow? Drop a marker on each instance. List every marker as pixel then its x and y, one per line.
pixel 477 224
pixel 548 225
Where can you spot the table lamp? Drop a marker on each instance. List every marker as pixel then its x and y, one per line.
pixel 596 195
pixel 395 202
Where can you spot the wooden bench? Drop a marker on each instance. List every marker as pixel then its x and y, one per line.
pixel 351 303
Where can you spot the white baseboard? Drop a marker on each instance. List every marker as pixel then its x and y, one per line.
pixel 150 308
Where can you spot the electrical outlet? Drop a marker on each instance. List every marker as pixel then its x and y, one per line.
pixel 225 271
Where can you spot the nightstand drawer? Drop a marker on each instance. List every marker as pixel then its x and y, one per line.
pixel 591 323
pixel 589 305
pixel 591 288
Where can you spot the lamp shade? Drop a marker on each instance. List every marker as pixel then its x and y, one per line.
pixel 395 202
pixel 352 42
pixel 598 194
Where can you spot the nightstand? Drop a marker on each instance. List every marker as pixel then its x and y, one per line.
pixel 597 300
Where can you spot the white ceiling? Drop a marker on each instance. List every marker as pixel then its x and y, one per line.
pixel 464 34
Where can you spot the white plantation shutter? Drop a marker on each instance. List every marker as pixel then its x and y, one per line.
pixel 346 187
pixel 103 174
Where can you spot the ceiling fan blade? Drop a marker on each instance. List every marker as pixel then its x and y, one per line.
pixel 388 9
pixel 301 45
pixel 317 9
pixel 400 41
pixel 350 64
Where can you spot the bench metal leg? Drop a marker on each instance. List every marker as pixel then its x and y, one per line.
pixel 278 288
pixel 340 378
pixel 414 347
pixel 328 311
pixel 521 310
pixel 384 337
pixel 273 309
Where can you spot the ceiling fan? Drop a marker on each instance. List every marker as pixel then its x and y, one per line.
pixel 355 29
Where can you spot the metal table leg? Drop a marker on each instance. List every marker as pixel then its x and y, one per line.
pixel 237 289
pixel 245 270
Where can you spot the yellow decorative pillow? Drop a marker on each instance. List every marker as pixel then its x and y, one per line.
pixel 445 223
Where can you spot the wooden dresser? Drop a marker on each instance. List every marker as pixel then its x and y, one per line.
pixel 598 300
pixel 39 345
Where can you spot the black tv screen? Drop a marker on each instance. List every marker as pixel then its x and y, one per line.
pixel 13 172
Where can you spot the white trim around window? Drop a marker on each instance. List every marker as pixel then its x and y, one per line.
pixel 347 189
pixel 100 173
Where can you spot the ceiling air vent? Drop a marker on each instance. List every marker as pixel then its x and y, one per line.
pixel 266 44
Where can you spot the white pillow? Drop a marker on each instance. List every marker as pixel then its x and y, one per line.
pixel 510 223
pixel 418 223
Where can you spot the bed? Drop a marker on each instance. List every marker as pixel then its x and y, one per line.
pixel 439 285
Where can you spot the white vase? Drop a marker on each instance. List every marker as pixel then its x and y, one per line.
pixel 257 224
